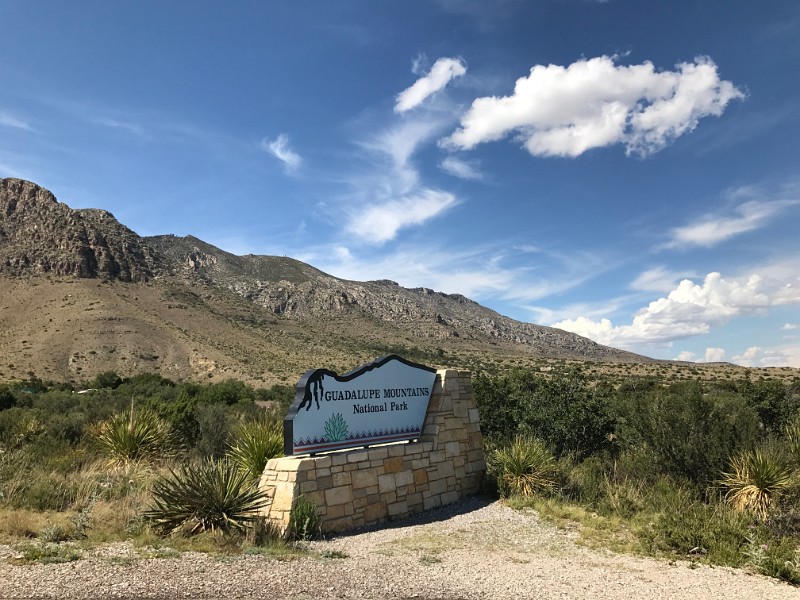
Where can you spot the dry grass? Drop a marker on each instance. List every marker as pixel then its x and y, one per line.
pixel 201 334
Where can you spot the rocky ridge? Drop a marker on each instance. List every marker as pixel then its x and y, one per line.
pixel 40 235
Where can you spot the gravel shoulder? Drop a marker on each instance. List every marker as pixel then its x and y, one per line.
pixel 472 550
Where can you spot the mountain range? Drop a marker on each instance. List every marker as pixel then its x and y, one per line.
pixel 83 294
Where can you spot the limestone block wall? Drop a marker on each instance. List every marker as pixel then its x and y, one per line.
pixel 357 487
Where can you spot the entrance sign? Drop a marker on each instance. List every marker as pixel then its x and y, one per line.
pixel 383 401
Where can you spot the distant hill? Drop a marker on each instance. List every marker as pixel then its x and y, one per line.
pixel 82 294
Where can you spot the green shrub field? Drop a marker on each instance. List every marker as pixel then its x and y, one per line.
pixel 706 471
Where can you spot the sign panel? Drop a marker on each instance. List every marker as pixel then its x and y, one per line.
pixel 383 401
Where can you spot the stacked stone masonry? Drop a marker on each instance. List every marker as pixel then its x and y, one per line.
pixel 363 486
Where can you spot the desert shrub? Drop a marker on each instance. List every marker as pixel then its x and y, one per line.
pixel 773 401
pixel 254 443
pixel 303 520
pixel 500 409
pixel 7 398
pixel 524 467
pixel 106 379
pixel 44 491
pixel 18 427
pixel 211 495
pixel 230 391
pixel 136 435
pixel 569 415
pixel 792 437
pixel 690 432
pixel 147 385
pixel 755 479
pixel 215 423
pixel 778 558
pixel 281 395
pixel 623 486
pixel 706 530
pixel 48 552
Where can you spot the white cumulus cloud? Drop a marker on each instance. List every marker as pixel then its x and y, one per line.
pixel 442 72
pixel 280 149
pixel 690 309
pixel 790 327
pixel 565 111
pixel 714 355
pixel 777 356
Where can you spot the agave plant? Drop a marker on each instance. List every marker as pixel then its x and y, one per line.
pixel 255 442
pixel 213 495
pixel 756 479
pixel 136 435
pixel 524 467
pixel 336 428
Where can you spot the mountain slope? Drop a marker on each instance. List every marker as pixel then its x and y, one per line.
pixel 82 294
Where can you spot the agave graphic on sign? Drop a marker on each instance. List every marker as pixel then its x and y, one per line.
pixel 336 428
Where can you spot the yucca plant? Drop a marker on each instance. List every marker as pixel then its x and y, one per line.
pixel 524 467
pixel 792 433
pixel 756 479
pixel 212 495
pixel 136 435
pixel 255 442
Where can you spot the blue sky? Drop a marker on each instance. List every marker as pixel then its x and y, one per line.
pixel 626 170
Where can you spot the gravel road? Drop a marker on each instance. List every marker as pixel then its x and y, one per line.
pixel 472 550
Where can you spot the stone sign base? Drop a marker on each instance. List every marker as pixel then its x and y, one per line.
pixel 363 486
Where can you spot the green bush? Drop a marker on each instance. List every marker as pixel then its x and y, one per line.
pixel 215 423
pixel 303 520
pixel 774 402
pixel 212 495
pixel 691 432
pixel 563 410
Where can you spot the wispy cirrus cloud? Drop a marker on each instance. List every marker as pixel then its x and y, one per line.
pixel 389 193
pixel 657 279
pixel 461 168
pixel 566 111
pixel 9 120
pixel 128 126
pixel 280 149
pixel 714 228
pixel 480 272
pixel 442 72
pixel 379 223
